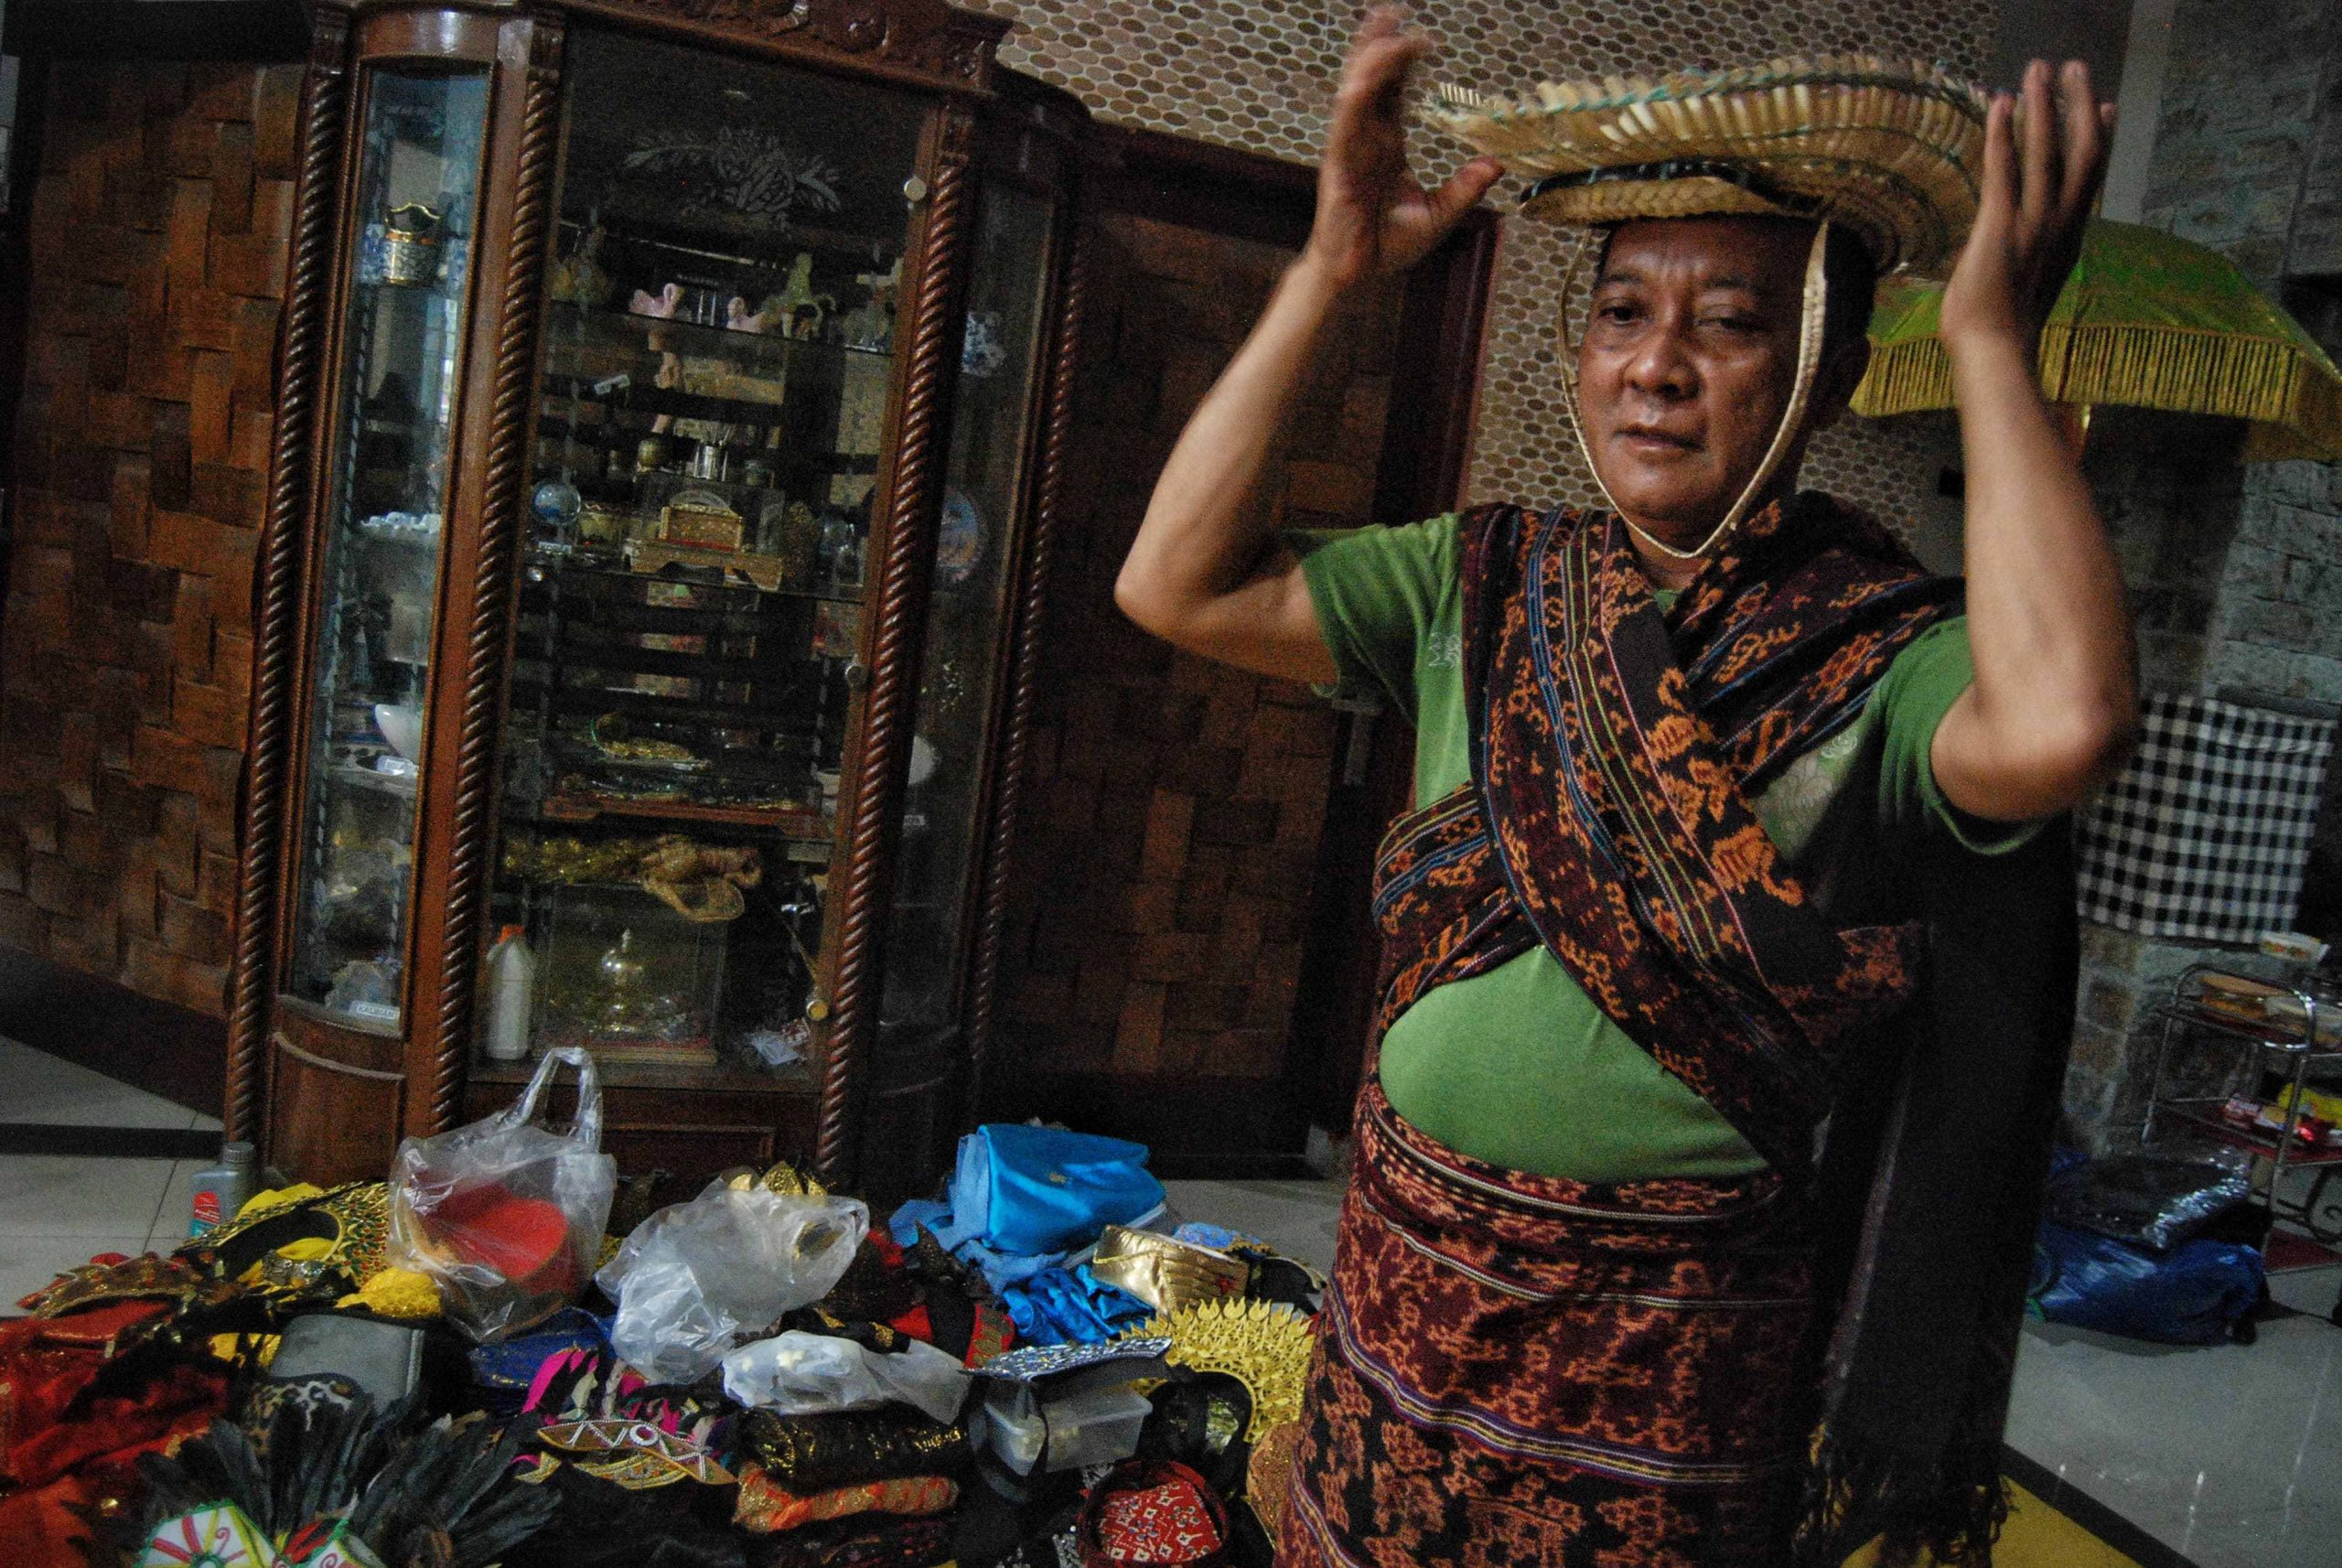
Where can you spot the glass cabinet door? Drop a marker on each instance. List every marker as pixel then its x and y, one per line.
pixel 941 837
pixel 719 353
pixel 416 191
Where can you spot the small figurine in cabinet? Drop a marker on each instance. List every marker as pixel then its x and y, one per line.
pixel 795 312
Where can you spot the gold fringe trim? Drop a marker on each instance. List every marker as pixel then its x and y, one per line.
pixel 2295 402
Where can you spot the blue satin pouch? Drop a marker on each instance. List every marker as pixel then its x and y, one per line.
pixel 1027 1189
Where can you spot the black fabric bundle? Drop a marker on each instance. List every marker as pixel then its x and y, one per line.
pixel 1930 1195
pixel 816 1453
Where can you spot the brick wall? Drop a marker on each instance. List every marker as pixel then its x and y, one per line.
pixel 157 230
pixel 1164 860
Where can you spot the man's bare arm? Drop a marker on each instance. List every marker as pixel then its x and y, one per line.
pixel 2055 696
pixel 1204 572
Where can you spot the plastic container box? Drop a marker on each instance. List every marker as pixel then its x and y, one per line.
pixel 1097 1426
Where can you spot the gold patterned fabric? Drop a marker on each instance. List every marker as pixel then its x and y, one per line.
pixel 1164 1272
pixel 765 1505
pixel 146 1277
pixel 809 1453
pixel 352 1222
pixel 640 1456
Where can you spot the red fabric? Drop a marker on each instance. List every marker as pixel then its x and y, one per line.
pixel 45 1365
pixel 41 1529
pixel 994 1333
pixel 526 1240
pixel 1515 1369
pixel 1168 1523
pixel 1153 1511
pixel 66 1445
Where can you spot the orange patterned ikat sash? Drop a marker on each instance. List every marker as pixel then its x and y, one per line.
pixel 1616 750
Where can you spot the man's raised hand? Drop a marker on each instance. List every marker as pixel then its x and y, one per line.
pixel 2044 158
pixel 1372 214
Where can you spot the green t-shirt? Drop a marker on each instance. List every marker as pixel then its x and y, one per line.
pixel 1518 1067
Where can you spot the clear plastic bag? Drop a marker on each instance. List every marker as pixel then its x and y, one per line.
pixel 814 1374
pixel 2154 1202
pixel 507 1215
pixel 695 1276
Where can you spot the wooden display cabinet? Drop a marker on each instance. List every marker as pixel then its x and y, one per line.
pixel 673 401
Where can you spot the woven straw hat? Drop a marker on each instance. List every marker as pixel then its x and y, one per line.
pixel 1892 150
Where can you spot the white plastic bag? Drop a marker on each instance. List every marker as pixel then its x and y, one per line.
pixel 695 1276
pixel 504 1214
pixel 814 1374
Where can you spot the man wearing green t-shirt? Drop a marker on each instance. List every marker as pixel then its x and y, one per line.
pixel 1677 763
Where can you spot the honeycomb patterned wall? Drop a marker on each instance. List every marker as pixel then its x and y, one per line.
pixel 1259 74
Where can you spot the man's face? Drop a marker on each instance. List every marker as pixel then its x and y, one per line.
pixel 1690 357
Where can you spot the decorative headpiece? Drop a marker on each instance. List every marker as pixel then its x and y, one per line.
pixel 1264 1344
pixel 1892 150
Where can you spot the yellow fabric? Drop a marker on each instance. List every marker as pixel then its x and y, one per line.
pixel 277 1197
pixel 226 1346
pixel 397 1293
pixel 2036 1536
pixel 2148 320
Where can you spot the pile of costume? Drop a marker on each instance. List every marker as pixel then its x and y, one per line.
pixel 749 1379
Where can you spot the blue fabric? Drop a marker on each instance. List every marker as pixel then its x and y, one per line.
pixel 1055 1305
pixel 2189 1295
pixel 1024 1203
pixel 1001 1270
pixel 1026 1190
pixel 505 1370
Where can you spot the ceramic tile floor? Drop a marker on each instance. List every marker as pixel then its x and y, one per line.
pixel 56 1211
pixel 2230 1456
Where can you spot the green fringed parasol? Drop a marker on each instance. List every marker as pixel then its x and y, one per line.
pixel 2148 320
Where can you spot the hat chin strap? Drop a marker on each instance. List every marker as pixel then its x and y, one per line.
pixel 1809 365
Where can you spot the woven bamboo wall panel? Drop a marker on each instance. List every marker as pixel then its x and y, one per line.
pixel 158 234
pixel 1165 863
pixel 1259 74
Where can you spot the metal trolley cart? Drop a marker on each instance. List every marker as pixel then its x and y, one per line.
pixel 2289 1030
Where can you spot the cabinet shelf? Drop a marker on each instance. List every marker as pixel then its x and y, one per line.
pixel 794 1079
pixel 774 715
pixel 2212 1124
pixel 402 787
pixel 673 573
pixel 796 825
pixel 595 422
pixel 615 327
pixel 2263 1032
pixel 582 653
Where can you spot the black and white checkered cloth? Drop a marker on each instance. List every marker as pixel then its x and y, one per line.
pixel 2207 830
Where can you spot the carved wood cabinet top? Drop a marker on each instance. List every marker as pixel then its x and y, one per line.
pixel 925 37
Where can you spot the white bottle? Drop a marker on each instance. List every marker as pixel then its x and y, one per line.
pixel 511 986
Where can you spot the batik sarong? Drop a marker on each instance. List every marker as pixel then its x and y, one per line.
pixel 1516 1370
